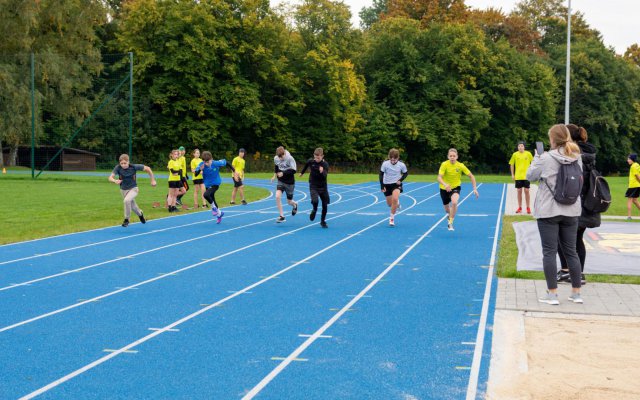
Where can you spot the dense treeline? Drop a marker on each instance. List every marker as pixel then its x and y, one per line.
pixel 422 76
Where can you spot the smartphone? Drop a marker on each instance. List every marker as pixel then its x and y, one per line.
pixel 539 148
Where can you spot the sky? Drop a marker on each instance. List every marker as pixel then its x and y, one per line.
pixel 616 20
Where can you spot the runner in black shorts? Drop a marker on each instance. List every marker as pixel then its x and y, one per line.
pixel 285 171
pixel 446 196
pixel 392 173
pixel 318 184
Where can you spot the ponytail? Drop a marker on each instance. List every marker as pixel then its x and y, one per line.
pixel 559 135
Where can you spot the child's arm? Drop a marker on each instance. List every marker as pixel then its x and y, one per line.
pixel 150 172
pixel 305 168
pixel 473 182
pixel 404 176
pixel 113 180
pixel 443 183
pixel 513 177
pixel 324 168
pixel 381 179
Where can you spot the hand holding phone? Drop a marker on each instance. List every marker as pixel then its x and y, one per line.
pixel 539 148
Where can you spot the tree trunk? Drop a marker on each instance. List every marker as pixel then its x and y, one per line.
pixel 13 154
pixel 1 155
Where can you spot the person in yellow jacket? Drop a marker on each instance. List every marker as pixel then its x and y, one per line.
pixel 198 182
pixel 238 164
pixel 519 163
pixel 176 188
pixel 633 192
pixel 449 176
pixel 183 174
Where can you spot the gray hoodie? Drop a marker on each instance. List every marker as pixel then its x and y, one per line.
pixel 545 168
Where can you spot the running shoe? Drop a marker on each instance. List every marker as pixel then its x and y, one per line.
pixel 294 210
pixel 324 224
pixel 312 216
pixel 219 217
pixel 142 219
pixel 280 219
pixel 550 298
pixel 563 276
pixel 576 298
pixel 519 210
pixel 232 202
pixel 178 202
pixel 125 223
pixel 244 202
pixel 205 206
pixel 391 222
pixel 450 225
pixel 528 210
pixel 583 280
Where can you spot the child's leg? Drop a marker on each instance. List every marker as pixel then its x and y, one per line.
pixel 520 197
pixel 195 195
pixel 395 197
pixel 325 203
pixel 629 202
pixel 131 198
pixel 635 201
pixel 233 193
pixel 527 197
pixel 453 206
pixel 241 190
pixel 279 202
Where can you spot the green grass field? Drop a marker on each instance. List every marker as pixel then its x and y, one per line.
pixel 55 204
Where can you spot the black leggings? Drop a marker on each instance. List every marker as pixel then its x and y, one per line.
pixel 210 195
pixel 324 197
pixel 582 251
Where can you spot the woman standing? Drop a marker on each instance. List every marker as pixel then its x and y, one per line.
pixel 557 222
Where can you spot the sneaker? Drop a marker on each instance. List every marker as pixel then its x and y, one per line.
pixel 576 298
pixel 324 224
pixel 178 203
pixel 519 210
pixel 142 219
pixel 528 210
pixel 244 202
pixel 628 218
pixel 312 216
pixel 214 212
pixel 391 222
pixel 125 223
pixel 280 219
pixel 450 225
pixel 563 277
pixel 219 217
pixel 294 210
pixel 205 206
pixel 583 280
pixel 550 298
pixel 232 202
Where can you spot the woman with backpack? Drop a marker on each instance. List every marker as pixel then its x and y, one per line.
pixel 557 208
pixel 587 219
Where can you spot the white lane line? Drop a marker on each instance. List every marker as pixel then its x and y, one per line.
pixel 60 310
pixel 201 311
pixel 66 272
pixel 294 355
pixel 472 387
pixel 320 337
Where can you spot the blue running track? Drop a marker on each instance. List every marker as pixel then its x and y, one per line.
pixel 184 308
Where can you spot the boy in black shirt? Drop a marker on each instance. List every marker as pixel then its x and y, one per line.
pixel 318 184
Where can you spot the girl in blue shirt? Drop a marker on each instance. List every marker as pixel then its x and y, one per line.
pixel 211 175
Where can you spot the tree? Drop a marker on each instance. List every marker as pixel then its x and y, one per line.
pixel 427 11
pixel 371 15
pixel 632 54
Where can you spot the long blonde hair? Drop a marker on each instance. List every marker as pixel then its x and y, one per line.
pixel 560 136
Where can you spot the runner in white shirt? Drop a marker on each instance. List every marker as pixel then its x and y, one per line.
pixel 392 173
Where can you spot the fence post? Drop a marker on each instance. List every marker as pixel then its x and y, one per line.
pixel 33 116
pixel 130 103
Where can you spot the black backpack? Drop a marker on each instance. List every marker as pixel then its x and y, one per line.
pixel 598 197
pixel 568 183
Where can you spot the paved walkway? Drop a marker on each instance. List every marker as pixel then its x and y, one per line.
pixel 599 298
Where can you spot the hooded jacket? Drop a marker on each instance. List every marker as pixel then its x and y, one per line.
pixel 545 168
pixel 587 218
pixel 287 166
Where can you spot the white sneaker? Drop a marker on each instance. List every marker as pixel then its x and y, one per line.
pixel 391 222
pixel 576 298
pixel 550 298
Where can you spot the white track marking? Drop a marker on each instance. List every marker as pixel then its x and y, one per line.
pixel 173 325
pixel 294 355
pixel 66 272
pixel 172 273
pixel 472 387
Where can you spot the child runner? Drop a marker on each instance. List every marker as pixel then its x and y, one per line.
pixel 176 187
pixel 211 174
pixel 238 177
pixel 449 176
pixel 285 171
pixel 198 183
pixel 128 186
pixel 392 173
pixel 633 192
pixel 520 161
pixel 183 174
pixel 318 184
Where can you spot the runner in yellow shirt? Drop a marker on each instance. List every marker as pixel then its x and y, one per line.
pixel 519 163
pixel 449 176
pixel 633 192
pixel 175 183
pixel 198 182
pixel 238 177
pixel 183 174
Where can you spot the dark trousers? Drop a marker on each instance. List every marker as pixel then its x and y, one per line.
pixel 210 195
pixel 559 231
pixel 580 248
pixel 323 195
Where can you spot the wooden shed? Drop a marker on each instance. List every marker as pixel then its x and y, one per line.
pixel 70 159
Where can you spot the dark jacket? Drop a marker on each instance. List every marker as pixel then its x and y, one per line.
pixel 587 218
